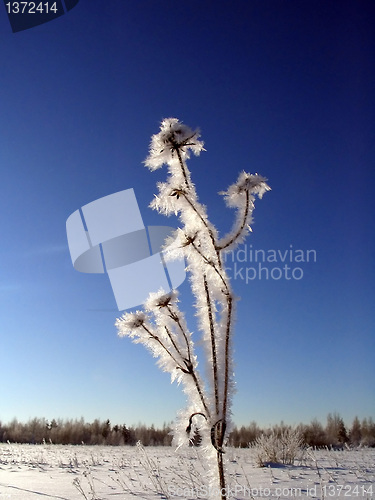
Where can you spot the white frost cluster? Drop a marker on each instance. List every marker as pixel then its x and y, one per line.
pixel 241 195
pixel 174 139
pixel 161 327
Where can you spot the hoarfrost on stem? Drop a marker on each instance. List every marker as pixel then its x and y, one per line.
pixel 161 327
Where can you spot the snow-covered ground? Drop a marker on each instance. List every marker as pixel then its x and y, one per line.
pixel 29 472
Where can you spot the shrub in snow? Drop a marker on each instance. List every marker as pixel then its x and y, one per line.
pixel 281 447
pixel 161 326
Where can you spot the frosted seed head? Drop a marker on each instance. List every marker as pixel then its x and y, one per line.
pixel 161 299
pixel 174 137
pixel 246 183
pixel 130 322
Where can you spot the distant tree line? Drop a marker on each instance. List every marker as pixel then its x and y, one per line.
pixel 39 430
pixel 334 434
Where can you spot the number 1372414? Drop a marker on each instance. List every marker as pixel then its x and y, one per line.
pixel 31 7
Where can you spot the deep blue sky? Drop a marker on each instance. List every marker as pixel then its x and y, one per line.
pixel 282 88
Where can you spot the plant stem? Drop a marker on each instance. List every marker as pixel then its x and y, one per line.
pixel 190 371
pixel 182 164
pixel 197 385
pixel 227 347
pixel 220 466
pixel 213 344
pixel 204 223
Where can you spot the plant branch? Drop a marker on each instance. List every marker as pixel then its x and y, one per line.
pixel 189 368
pixel 155 337
pixel 172 340
pixel 174 316
pixel 241 227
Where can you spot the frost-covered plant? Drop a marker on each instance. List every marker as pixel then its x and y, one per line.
pixel 278 447
pixel 161 327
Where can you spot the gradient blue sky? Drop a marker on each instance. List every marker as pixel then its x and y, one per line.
pixel 282 88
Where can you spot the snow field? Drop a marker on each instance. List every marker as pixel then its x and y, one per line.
pixel 29 472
